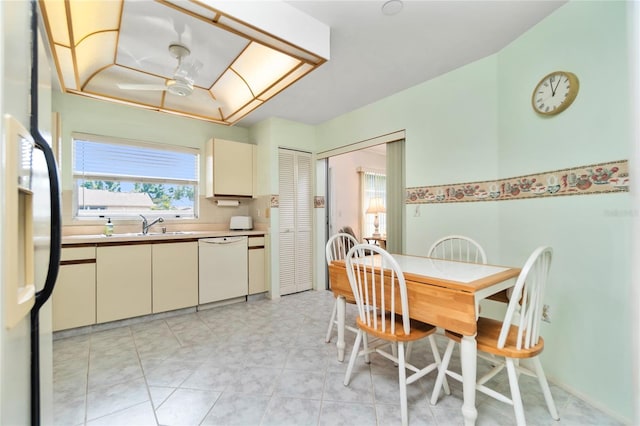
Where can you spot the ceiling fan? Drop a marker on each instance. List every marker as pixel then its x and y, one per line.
pixel 183 77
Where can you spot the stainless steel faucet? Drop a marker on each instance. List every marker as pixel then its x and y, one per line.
pixel 146 225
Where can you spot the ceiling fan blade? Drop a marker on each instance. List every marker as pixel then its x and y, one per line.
pixel 126 86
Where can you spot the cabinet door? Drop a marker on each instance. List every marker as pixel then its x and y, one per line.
pixel 256 271
pixel 232 168
pixel 74 296
pixel 123 275
pixel 175 276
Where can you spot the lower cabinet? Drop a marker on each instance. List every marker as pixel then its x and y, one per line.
pixel 105 283
pixel 123 281
pixel 257 281
pixel 74 295
pixel 174 276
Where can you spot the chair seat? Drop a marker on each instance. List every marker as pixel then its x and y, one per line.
pixel 418 330
pixel 487 339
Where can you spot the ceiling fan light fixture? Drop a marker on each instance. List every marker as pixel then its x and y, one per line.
pixel 179 50
pixel 179 88
pixel 392 7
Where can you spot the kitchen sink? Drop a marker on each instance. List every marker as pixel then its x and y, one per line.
pixel 152 234
pixel 167 233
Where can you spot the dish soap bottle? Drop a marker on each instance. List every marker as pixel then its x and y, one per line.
pixel 108 228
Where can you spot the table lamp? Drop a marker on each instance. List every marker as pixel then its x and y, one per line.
pixel 376 206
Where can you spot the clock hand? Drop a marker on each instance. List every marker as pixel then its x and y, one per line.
pixel 553 91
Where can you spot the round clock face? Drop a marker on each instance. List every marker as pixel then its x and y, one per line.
pixel 555 92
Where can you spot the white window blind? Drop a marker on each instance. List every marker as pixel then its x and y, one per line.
pixel 373 185
pixel 115 160
pixel 125 178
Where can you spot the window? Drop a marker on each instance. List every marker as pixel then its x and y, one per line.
pixel 114 178
pixel 373 199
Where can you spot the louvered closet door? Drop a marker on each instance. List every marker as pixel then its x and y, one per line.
pixel 295 193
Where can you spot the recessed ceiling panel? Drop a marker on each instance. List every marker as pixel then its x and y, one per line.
pixel 65 59
pixel 232 92
pixel 95 52
pixel 176 56
pixel 91 16
pixel 106 83
pixel 260 66
pixel 200 103
pixel 148 28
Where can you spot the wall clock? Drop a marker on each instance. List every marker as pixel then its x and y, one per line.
pixel 555 92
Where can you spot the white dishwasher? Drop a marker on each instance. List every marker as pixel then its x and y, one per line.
pixel 222 268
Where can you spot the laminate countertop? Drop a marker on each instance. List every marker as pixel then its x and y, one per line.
pixel 152 237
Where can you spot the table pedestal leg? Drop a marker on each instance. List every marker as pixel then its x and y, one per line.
pixel 341 305
pixel 468 353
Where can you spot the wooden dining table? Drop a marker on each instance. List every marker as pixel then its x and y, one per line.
pixel 443 293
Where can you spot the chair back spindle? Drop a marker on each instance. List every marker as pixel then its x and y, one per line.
pixel 458 247
pixel 525 306
pixel 376 282
pixel 338 246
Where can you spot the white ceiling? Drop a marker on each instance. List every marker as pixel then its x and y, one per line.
pixel 374 55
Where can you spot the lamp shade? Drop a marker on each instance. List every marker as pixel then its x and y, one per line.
pixel 376 205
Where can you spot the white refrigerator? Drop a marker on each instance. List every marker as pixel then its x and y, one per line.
pixel 29 232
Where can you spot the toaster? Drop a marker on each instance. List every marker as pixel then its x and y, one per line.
pixel 241 223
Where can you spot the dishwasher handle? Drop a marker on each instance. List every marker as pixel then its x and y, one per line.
pixel 222 240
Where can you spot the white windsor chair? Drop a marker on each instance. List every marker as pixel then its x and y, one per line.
pixel 505 343
pixel 337 248
pixel 380 291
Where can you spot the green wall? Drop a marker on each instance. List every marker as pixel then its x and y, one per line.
pixel 590 284
pixel 476 123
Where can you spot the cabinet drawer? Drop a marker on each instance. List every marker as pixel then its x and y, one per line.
pixel 77 253
pixel 256 241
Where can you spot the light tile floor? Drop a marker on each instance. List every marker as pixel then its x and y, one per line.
pixel 259 363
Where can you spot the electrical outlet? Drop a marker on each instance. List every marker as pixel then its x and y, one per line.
pixel 546 313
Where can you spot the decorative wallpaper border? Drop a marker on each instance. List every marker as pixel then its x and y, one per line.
pixel 318 201
pixel 592 179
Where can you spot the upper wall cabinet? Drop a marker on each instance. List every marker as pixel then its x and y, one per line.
pixel 229 168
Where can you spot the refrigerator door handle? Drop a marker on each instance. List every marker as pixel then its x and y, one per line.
pixel 56 223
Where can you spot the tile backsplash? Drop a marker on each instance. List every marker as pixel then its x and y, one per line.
pixel 211 217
